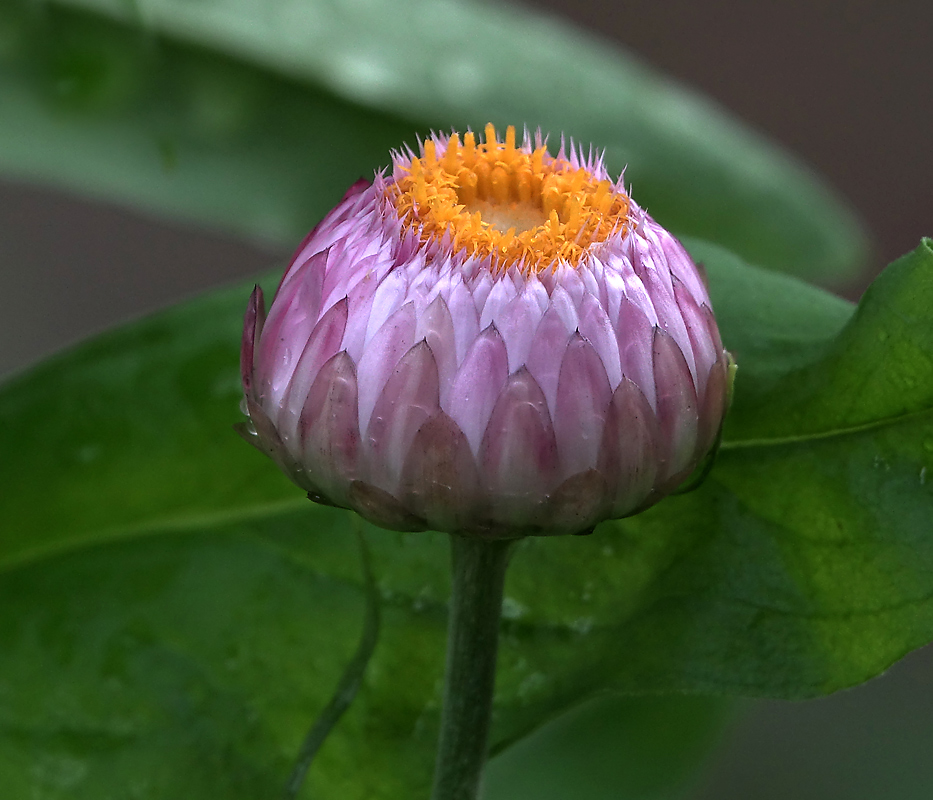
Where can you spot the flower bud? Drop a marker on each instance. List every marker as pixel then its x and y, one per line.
pixel 488 340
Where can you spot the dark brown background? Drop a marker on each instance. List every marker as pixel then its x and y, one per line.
pixel 846 84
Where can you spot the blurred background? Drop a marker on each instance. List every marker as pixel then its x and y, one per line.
pixel 844 84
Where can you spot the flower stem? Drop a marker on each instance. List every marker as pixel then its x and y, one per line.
pixel 472 642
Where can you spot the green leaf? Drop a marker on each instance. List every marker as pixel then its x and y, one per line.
pixel 114 111
pixel 133 431
pixel 193 665
pixel 257 140
pixel 806 563
pixel 218 607
pixel 877 373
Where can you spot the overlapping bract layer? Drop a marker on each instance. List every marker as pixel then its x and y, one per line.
pixel 426 387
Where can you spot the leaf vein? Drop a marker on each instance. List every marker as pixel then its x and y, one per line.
pixel 803 438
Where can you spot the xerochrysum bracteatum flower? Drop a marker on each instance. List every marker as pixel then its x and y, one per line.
pixel 487 340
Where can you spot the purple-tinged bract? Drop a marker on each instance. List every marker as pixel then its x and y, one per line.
pixel 488 340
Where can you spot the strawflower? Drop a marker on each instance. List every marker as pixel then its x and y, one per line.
pixel 487 340
pixel 494 342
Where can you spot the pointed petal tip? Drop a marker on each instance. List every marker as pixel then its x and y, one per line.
pixel 411 395
pixel 582 402
pixel 328 430
pixel 678 406
pixel 628 454
pixel 440 479
pixel 518 455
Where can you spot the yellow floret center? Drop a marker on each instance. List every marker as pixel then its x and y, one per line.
pixel 498 201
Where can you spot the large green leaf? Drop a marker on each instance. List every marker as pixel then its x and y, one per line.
pixel 822 484
pixel 190 666
pixel 174 609
pixel 258 141
pixel 113 111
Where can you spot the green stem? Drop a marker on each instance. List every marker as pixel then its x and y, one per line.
pixel 472 643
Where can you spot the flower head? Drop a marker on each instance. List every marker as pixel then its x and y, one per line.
pixel 488 340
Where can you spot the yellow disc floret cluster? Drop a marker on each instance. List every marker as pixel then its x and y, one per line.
pixel 498 201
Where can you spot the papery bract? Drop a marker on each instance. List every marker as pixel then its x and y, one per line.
pixel 488 340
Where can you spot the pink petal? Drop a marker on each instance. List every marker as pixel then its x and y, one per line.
pixel 636 339
pixel 712 328
pixel 353 274
pixel 383 352
pixel 572 283
pixel 576 505
pixel 440 481
pixel 409 399
pixel 653 257
pixel 637 294
pixel 382 508
pixel 678 412
pixel 360 300
pixel 564 306
pixel 517 323
pixel 590 284
pixel 328 428
pixel 583 395
pixel 436 327
pixel 595 327
pixel 518 456
pixel 547 352
pixel 682 267
pixel 252 328
pixel 701 343
pixel 628 455
pixel 480 289
pixel 323 344
pixel 502 293
pixel 477 386
pixel 389 297
pixel 712 407
pixel 285 333
pixel 658 284
pixel 536 291
pixel 307 248
pixel 612 290
pixel 465 318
